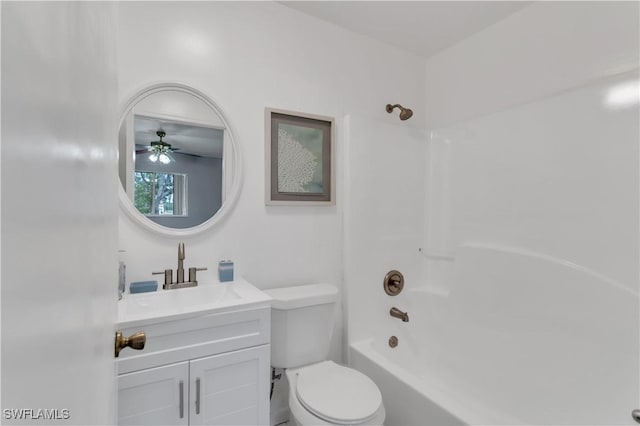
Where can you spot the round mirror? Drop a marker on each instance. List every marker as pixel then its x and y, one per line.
pixel 178 163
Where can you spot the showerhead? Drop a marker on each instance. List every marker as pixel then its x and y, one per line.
pixel 405 113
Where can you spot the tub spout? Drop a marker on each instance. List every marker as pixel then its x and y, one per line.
pixel 397 313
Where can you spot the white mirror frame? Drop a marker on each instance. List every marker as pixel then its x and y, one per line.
pixel 232 191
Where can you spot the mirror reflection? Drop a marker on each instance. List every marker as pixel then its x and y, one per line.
pixel 171 162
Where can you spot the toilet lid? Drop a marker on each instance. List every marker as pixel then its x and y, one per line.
pixel 337 394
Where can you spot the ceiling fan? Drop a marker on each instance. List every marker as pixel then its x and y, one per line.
pixel 159 150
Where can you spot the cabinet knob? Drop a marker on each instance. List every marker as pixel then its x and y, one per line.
pixel 135 341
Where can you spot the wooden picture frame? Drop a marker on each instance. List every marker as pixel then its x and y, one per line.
pixel 300 159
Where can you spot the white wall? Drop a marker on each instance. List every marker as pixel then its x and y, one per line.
pixel 540 50
pixel 384 218
pixel 247 56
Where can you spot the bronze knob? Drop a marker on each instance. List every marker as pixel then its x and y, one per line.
pixel 393 283
pixel 135 341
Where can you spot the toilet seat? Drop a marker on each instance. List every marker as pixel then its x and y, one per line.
pixel 337 394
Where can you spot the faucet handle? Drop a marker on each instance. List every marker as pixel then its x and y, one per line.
pixel 192 274
pixel 168 276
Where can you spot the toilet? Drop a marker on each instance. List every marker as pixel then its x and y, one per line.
pixel 321 392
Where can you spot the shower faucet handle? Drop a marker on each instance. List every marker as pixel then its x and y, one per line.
pixel 393 282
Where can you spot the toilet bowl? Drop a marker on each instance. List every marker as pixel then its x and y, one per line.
pixel 330 394
pixel 321 392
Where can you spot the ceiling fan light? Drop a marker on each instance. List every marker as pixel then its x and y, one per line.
pixel 153 157
pixel 164 158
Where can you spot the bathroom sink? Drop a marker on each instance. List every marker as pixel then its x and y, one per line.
pixel 206 298
pixel 188 297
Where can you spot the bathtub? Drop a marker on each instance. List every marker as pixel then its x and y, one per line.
pixel 411 395
pixel 518 339
pixel 408 399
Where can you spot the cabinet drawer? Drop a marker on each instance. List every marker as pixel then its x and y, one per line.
pixel 188 338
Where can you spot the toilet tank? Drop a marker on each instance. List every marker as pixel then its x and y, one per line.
pixel 301 324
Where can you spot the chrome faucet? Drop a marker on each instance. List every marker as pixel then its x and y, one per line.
pixel 397 313
pixel 180 282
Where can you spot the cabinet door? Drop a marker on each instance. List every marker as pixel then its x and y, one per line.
pixel 231 388
pixel 157 396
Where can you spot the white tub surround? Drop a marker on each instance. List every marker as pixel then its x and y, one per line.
pixel 516 230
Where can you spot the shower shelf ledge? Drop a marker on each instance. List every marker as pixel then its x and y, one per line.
pixel 430 254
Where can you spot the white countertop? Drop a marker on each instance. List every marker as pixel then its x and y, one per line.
pixel 206 298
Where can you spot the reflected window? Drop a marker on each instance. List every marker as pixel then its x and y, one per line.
pixel 160 194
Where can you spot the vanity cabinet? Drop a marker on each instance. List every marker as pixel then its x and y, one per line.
pixel 225 389
pixel 209 369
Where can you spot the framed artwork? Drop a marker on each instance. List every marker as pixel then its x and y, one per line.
pixel 300 159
